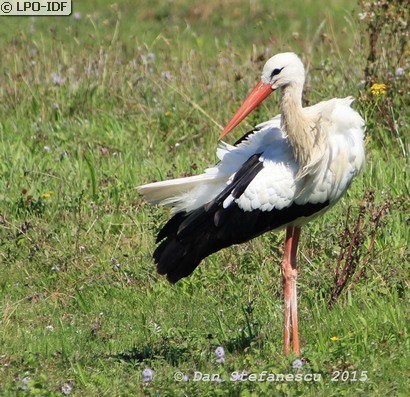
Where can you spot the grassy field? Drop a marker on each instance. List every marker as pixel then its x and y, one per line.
pixel 118 95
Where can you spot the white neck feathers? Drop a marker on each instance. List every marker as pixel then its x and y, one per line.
pixel 302 130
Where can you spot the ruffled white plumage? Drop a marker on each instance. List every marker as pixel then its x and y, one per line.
pixel 277 185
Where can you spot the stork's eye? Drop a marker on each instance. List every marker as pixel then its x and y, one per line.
pixel 275 72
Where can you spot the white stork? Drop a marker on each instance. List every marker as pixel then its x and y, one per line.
pixel 284 173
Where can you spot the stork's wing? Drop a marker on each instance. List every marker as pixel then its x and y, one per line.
pixel 232 217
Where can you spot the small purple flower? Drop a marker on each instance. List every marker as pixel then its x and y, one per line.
pixel 147 375
pixel 166 75
pixel 220 355
pixel 151 56
pixel 25 381
pixel 57 80
pixel 399 72
pixel 114 264
pixel 297 364
pixel 66 389
pixel 77 16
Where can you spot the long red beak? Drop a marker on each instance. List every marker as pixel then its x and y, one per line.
pixel 258 94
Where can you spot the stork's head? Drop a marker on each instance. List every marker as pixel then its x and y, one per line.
pixel 279 71
pixel 282 70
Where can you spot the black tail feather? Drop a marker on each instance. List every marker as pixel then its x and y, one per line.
pixel 184 245
pixel 188 238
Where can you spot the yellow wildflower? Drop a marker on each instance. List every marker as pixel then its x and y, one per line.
pixel 378 89
pixel 334 338
pixel 46 195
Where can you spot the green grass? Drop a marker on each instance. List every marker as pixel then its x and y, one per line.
pixel 81 303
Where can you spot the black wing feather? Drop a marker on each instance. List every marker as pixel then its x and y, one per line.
pixel 245 137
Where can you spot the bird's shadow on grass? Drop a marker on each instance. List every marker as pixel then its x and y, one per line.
pixel 174 353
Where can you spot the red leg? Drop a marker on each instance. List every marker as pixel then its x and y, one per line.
pixel 294 300
pixel 286 289
pixel 289 273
